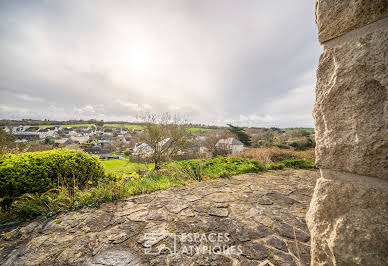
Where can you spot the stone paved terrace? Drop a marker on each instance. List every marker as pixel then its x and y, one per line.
pixel 260 212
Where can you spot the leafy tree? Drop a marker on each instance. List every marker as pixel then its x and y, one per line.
pixel 240 134
pixel 269 136
pixel 100 124
pixel 305 133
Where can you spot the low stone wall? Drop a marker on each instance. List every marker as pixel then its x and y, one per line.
pixel 348 215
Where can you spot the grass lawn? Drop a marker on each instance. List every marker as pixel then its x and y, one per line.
pixel 116 166
pixel 196 129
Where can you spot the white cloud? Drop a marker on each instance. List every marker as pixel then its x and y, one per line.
pixel 253 117
pixel 28 98
pixel 132 106
pixel 85 110
pixel 174 108
pixel 135 106
pixel 213 60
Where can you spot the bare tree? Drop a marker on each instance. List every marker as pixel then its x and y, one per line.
pixel 8 144
pixel 164 136
pixel 118 144
pixel 211 140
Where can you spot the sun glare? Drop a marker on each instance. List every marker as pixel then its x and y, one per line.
pixel 137 59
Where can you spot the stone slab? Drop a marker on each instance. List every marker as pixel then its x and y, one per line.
pixel 335 17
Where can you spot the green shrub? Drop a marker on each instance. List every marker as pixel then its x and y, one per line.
pixel 276 166
pixel 33 172
pixel 220 167
pixel 189 169
pixel 282 146
pixel 293 163
pixel 303 144
pixel 61 199
pixel 298 164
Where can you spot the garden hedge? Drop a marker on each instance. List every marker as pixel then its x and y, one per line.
pixel 40 171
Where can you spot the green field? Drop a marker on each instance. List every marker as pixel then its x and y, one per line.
pixel 63 126
pixel 140 127
pixel 290 130
pixel 116 166
pixel 196 129
pixel 134 127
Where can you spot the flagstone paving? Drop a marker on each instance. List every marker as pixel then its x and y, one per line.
pixel 243 220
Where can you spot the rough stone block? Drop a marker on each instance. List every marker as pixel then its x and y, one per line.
pixel 335 17
pixel 351 109
pixel 348 224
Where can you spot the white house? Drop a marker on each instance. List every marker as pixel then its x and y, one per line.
pixel 230 144
pixel 142 150
pixel 72 140
pixel 18 129
pixel 145 150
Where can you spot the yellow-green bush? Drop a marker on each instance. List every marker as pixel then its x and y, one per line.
pixel 40 171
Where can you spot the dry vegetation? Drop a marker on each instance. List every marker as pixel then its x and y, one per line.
pixel 267 155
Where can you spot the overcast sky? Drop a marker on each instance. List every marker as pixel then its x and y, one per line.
pixel 248 62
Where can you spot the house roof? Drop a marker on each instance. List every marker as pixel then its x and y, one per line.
pixel 230 141
pixel 79 139
pixel 72 140
pixel 32 129
pixel 60 141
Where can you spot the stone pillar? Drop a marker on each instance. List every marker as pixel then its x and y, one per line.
pixel 348 215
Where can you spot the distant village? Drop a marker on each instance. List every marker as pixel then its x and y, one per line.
pixel 105 142
pixel 122 142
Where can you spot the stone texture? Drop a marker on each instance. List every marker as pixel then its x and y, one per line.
pixel 114 234
pixel 348 214
pixel 351 109
pixel 277 243
pixel 348 224
pixel 286 230
pixel 220 212
pixel 335 17
pixel 116 257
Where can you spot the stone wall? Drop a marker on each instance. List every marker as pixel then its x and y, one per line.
pixel 348 215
